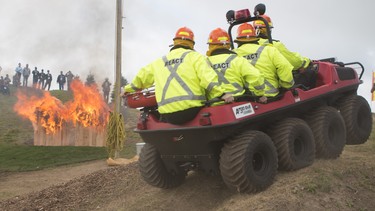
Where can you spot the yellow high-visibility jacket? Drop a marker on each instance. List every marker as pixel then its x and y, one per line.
pixel 297 60
pixel 274 67
pixel 236 74
pixel 182 79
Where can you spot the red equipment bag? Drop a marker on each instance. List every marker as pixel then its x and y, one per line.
pixel 141 99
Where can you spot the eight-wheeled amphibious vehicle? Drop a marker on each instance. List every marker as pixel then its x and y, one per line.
pixel 246 142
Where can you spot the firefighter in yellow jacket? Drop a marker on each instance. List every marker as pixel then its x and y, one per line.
pixel 295 59
pixel 182 80
pixel 303 69
pixel 236 75
pixel 275 68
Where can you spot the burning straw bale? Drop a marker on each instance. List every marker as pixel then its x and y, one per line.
pixel 80 122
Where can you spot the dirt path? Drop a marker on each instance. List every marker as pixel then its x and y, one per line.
pixel 346 183
pixel 14 184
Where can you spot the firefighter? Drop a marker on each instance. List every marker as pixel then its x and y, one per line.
pixel 275 68
pixel 61 79
pixel 182 78
pixel 106 86
pixel 41 78
pixel 304 70
pixel 35 77
pixel 235 74
pixel 48 80
pixel 6 84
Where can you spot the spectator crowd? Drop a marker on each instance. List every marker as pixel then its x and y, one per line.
pixel 42 80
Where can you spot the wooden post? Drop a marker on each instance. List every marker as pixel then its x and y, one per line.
pixel 118 56
pixel 117 88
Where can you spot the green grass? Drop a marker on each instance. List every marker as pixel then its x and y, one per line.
pixel 64 96
pixel 13 128
pixel 16 138
pixel 27 158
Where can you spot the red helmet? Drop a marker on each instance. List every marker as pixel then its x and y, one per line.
pixel 260 23
pixel 246 30
pixel 218 36
pixel 184 33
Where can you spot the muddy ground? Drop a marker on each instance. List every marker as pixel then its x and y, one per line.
pixel 346 183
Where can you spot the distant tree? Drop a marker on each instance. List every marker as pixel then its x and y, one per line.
pixel 90 79
pixel 124 82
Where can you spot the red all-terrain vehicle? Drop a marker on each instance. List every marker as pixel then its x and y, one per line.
pixel 246 142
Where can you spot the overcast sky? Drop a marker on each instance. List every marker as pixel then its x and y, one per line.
pixel 79 35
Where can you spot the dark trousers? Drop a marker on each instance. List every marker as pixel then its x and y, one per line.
pixel 25 79
pixel 35 82
pixel 181 117
pixel 41 84
pixel 61 86
pixel 106 97
pixel 48 83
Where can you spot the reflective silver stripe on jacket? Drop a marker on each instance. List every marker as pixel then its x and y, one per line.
pixel 221 76
pixel 259 51
pixel 212 85
pixel 272 89
pixel 260 87
pixel 174 75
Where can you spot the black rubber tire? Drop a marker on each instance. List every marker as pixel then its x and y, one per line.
pixel 153 170
pixel 329 132
pixel 294 143
pixel 357 116
pixel 248 162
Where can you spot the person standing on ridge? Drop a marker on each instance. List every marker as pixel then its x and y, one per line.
pixel 106 86
pixel 25 74
pixel 18 71
pixel 41 79
pixel 48 80
pixel 35 77
pixel 69 77
pixel 61 79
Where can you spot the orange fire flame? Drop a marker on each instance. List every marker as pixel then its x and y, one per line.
pixel 87 108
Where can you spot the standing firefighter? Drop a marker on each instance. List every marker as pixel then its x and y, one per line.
pixel 182 80
pixel 48 80
pixel 18 71
pixel 41 78
pixel 6 85
pixel 35 77
pixel 69 77
pixel 25 74
pixel 106 86
pixel 61 79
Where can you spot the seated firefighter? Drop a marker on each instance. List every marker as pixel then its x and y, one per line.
pixel 304 71
pixel 182 80
pixel 276 70
pixel 235 74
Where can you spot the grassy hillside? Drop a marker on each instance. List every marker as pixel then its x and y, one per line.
pixel 17 152
pixel 14 130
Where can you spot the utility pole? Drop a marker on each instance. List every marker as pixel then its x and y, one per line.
pixel 116 128
pixel 117 91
